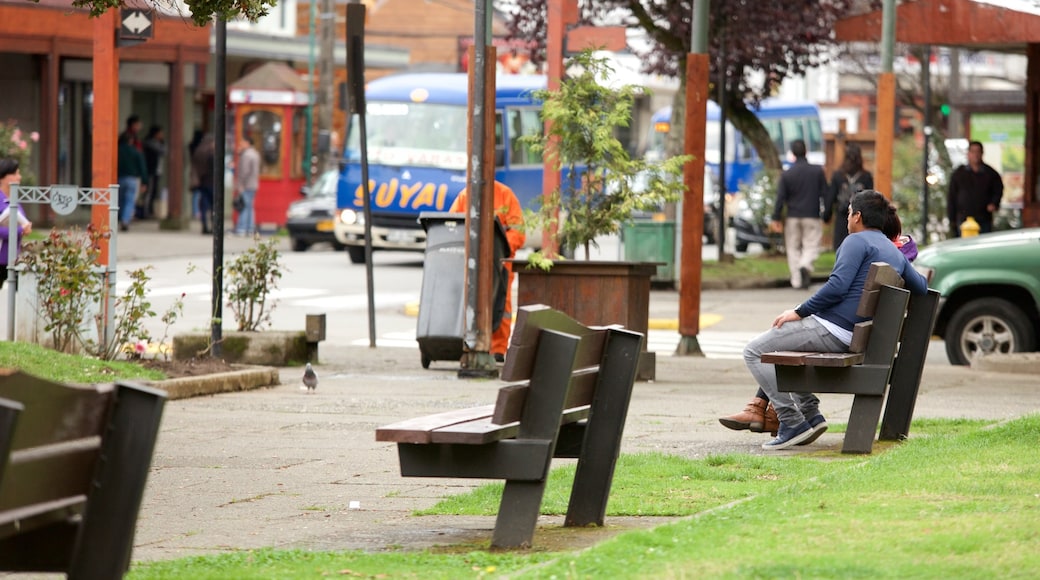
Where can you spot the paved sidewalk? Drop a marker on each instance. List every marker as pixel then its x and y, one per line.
pixel 278 467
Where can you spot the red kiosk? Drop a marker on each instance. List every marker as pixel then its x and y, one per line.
pixel 270 105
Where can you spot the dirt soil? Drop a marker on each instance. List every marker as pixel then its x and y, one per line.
pixel 190 367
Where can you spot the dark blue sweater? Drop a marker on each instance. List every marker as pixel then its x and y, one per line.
pixel 838 299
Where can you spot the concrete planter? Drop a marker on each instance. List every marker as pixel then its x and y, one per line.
pixel 269 347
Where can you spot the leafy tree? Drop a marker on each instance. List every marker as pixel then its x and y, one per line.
pixel 763 43
pixel 202 11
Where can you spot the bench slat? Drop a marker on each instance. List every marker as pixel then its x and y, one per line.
pixel 481 431
pixel 785 357
pixel 418 430
pixel 861 336
pixel 26 518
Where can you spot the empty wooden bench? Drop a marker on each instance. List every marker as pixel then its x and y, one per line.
pixel 73 465
pixel 886 357
pixel 577 383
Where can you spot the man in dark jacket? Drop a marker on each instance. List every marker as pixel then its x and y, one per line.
pixel 802 190
pixel 975 192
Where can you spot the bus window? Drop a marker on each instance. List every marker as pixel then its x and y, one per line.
pixel 793 129
pixel 522 122
pixel 776 133
pixel 814 140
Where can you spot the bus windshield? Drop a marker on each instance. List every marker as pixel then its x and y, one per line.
pixel 412 134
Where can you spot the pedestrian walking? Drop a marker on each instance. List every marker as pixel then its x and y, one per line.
pixel 802 191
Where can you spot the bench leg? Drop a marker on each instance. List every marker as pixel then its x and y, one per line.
pixel 602 442
pixel 518 514
pixel 863 422
pixel 909 366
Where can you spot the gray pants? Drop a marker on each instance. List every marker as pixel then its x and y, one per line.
pixel 800 335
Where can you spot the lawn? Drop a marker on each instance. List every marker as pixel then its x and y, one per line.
pixel 959 499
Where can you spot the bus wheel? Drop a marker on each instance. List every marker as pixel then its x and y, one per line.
pixel 357 254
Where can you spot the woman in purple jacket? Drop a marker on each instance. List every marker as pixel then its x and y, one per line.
pixel 10 173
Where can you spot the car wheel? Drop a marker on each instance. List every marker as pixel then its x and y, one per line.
pixel 985 326
pixel 741 246
pixel 299 245
pixel 357 254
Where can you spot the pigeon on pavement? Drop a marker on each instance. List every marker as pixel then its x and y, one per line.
pixel 310 379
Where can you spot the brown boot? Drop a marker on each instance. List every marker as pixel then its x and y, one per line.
pixel 752 417
pixel 770 421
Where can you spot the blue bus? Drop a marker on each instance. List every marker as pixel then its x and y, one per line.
pixel 417 138
pixel 785 121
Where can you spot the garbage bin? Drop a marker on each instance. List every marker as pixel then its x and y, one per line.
pixel 652 241
pixel 441 326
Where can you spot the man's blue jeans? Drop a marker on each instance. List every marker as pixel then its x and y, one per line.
pixel 806 334
pixel 127 198
pixel 247 217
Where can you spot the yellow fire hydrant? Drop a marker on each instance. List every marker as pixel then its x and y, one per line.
pixel 969 227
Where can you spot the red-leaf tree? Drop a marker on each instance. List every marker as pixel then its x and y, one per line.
pixel 776 39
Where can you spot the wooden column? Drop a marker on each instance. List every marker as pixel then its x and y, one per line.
pixel 1030 196
pixel 49 117
pixel 105 116
pixel 697 70
pixel 176 148
pixel 885 136
pixel 559 14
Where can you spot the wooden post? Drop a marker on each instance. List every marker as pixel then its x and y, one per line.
pixel 885 137
pixel 559 13
pixel 697 68
pixel 1030 195
pixel 105 118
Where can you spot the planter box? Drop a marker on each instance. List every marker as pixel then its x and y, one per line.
pixel 268 347
pixel 594 293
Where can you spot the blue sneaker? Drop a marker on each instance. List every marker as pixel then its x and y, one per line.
pixel 788 436
pixel 819 425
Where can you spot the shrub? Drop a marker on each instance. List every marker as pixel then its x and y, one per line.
pixel 250 279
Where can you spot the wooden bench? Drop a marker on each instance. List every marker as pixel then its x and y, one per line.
pixel 577 383
pixel 73 465
pixel 886 357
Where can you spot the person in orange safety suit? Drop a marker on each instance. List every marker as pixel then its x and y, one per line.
pixel 507 208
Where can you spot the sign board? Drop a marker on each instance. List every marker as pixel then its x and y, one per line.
pixel 136 24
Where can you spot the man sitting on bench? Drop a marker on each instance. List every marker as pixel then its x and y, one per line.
pixel 824 322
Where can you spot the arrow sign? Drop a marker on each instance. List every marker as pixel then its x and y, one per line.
pixel 136 24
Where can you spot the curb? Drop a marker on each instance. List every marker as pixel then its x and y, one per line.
pixel 247 378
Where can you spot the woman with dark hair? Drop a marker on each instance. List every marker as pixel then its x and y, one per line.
pixel 848 180
pixel 10 173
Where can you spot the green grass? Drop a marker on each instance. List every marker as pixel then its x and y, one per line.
pixel 959 499
pixel 760 266
pixel 66 368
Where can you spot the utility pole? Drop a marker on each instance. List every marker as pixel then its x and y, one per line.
pixel 325 78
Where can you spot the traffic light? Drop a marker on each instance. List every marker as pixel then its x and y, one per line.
pixel 945 109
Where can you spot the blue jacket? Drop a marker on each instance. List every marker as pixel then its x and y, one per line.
pixel 838 299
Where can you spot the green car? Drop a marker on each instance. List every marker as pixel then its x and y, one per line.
pixel 990 287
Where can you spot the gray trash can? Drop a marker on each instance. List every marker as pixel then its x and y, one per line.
pixel 441 326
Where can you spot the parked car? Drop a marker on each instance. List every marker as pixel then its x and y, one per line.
pixel 310 220
pixel 990 288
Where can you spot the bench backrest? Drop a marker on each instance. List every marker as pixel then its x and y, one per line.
pixel 586 372
pixel 72 473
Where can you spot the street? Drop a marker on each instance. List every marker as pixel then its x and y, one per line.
pixel 324 281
